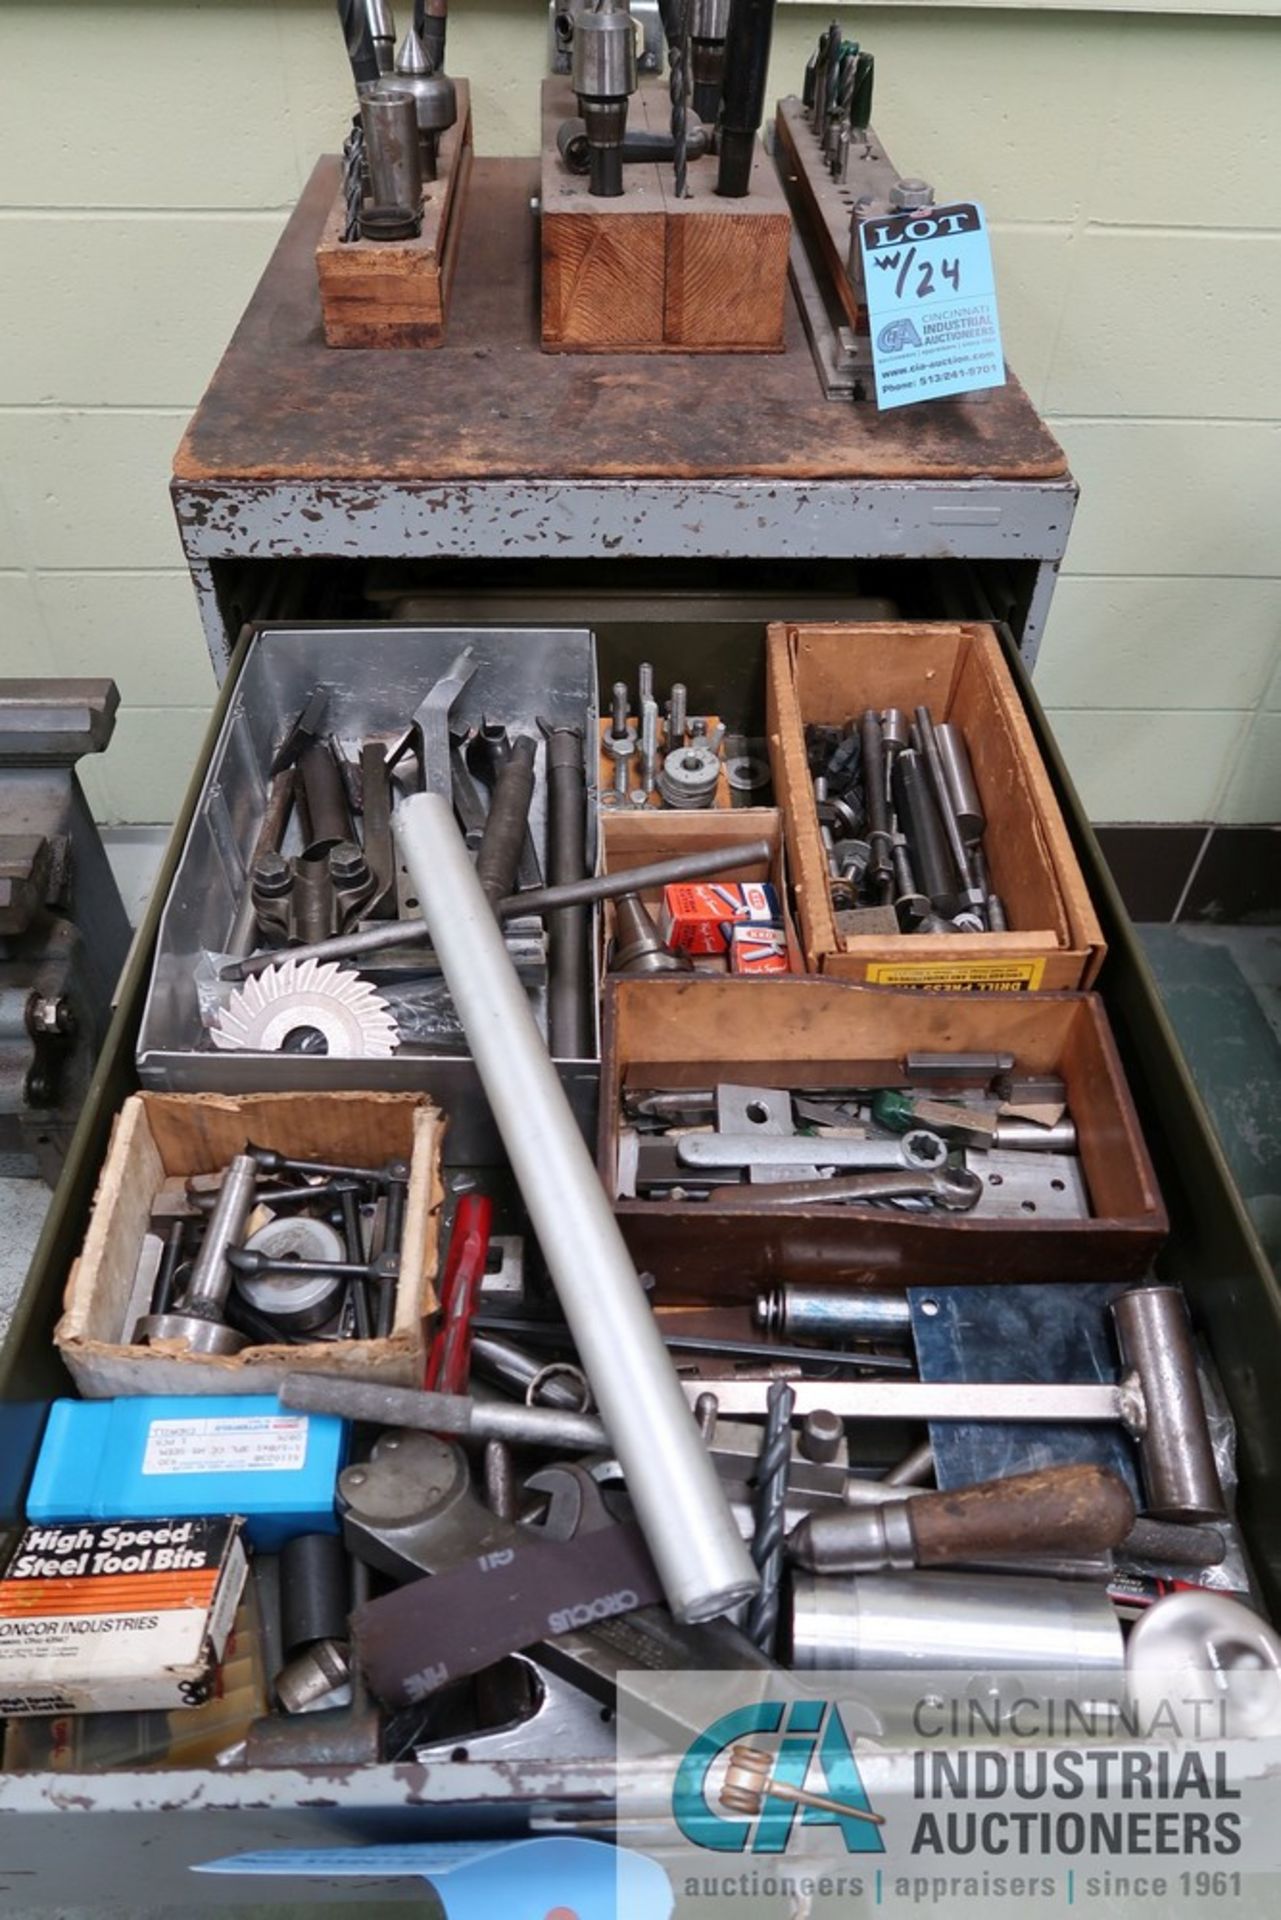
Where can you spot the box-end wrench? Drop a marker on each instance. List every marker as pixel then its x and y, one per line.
pixel 953 1189
pixel 918 1151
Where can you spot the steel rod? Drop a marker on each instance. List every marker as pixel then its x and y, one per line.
pixel 680 1503
pixel 534 900
pixel 966 1400
pixel 553 1427
pixel 659 873
pixel 569 992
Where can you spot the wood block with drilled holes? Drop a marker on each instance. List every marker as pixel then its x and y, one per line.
pixel 602 260
pixel 395 293
pixel 647 272
pixel 727 264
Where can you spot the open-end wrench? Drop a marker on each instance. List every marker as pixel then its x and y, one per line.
pixel 574 1501
pixel 954 1189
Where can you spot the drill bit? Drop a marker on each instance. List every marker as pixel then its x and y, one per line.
pixel 353 167
pixel 773 1468
pixel 678 72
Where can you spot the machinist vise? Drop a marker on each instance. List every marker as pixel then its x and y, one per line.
pixel 64 933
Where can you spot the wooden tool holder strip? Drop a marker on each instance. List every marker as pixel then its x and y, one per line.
pixel 823 205
pixel 395 293
pixel 649 273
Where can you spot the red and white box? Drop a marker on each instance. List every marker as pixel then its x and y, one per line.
pixel 758 950
pixel 699 916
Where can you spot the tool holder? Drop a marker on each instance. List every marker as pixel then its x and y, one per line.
pixel 395 293
pixel 645 272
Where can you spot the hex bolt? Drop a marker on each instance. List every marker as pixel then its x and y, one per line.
pixel 49 1016
pixel 649 744
pixel 347 866
pixel 273 875
pixel 621 753
pixel 676 715
pixel 910 193
pixel 644 683
pixel 620 709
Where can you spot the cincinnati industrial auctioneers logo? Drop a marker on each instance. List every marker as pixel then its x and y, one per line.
pixel 807 1774
pixel 1062 1777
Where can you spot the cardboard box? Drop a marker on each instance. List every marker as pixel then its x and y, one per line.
pixel 160 1139
pixel 828 675
pixel 118 1615
pixel 757 950
pixel 700 916
pixel 823 1033
pixel 636 839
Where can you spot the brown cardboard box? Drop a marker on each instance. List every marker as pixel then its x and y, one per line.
pixel 829 675
pixel 823 1033
pixel 637 839
pixel 162 1138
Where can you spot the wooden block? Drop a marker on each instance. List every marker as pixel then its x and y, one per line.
pixel 647 272
pixel 395 293
pixel 727 264
pixel 602 260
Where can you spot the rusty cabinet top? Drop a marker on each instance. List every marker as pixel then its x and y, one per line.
pixel 490 405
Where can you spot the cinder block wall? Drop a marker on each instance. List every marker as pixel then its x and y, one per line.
pixel 1130 164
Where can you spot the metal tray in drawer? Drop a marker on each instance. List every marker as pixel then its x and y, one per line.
pixel 377 676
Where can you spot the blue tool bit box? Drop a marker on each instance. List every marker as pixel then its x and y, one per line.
pixel 172 1456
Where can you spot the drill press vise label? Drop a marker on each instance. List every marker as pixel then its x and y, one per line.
pixel 931 304
pixel 959 976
